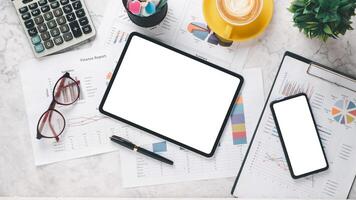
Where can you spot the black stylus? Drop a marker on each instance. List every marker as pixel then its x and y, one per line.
pixel 123 142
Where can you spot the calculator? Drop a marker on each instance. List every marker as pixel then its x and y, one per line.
pixel 54 25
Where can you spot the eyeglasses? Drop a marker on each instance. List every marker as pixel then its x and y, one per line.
pixel 52 123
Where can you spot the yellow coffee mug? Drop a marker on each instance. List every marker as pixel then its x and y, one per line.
pixel 237 31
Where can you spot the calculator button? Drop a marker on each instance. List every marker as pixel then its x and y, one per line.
pixel 74 26
pixel 45 36
pixel 67 8
pixel 58 12
pixel 42 28
pixel 23 9
pixel 39 48
pixel 26 1
pixel 83 21
pixel 29 24
pixel 77 5
pixel 48 16
pixel 80 13
pixel 64 28
pixel 51 24
pixel 32 32
pixel 39 20
pixel 55 32
pixel 70 17
pixel 61 20
pixel 67 36
pixel 35 12
pixel 48 44
pixel 33 6
pixel 86 29
pixel 58 40
pixel 42 2
pixel 36 39
pixel 45 8
pixel 26 16
pixel 55 5
pixel 64 2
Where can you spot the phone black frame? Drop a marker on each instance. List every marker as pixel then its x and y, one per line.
pixel 208 64
pixel 282 140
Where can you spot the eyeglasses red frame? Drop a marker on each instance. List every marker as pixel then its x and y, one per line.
pixel 47 115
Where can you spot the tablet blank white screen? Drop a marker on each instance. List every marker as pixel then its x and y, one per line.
pixel 171 94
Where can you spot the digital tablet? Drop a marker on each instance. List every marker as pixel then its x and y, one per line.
pixel 171 94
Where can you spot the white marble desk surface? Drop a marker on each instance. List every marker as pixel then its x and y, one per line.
pixel 100 175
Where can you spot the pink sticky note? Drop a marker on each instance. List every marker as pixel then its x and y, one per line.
pixel 135 7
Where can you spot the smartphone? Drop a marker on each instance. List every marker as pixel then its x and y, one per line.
pixel 299 136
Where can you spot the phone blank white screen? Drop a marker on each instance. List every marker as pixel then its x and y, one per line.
pixel 171 94
pixel 299 135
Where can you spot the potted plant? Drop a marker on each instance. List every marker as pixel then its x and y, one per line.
pixel 323 18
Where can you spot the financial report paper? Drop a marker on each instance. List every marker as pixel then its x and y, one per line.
pixel 87 131
pixel 139 170
pixel 184 28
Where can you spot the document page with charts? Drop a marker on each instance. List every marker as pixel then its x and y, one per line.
pixel 265 172
pixel 184 28
pixel 140 170
pixel 87 131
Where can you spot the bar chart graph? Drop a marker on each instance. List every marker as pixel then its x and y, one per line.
pixel 238 123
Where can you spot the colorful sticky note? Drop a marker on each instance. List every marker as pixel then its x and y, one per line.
pixel 156 2
pixel 162 3
pixel 150 8
pixel 134 7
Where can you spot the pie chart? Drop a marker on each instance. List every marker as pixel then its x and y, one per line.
pixel 199 30
pixel 344 111
pixel 203 32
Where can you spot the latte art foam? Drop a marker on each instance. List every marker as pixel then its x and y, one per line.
pixel 239 11
pixel 239 7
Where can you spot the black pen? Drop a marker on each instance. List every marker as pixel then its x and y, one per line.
pixel 123 142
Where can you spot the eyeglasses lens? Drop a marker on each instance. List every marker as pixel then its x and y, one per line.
pixel 66 91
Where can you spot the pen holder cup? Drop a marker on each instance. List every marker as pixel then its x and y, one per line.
pixel 149 21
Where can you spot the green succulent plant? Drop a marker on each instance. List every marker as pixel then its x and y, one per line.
pixel 323 18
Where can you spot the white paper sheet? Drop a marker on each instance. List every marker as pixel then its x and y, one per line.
pixel 184 28
pixel 139 170
pixel 87 131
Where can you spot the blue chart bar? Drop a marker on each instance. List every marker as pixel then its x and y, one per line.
pixel 159 147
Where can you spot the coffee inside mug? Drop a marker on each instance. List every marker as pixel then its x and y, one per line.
pixel 239 12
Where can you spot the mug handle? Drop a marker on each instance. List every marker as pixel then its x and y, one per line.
pixel 227 31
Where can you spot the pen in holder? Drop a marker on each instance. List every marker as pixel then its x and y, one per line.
pixel 146 13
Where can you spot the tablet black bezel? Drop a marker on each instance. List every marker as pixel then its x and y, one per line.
pixel 158 134
pixel 282 139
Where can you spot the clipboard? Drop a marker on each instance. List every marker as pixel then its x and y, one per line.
pixel 243 184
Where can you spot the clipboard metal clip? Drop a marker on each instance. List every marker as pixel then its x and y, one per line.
pixel 332 76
